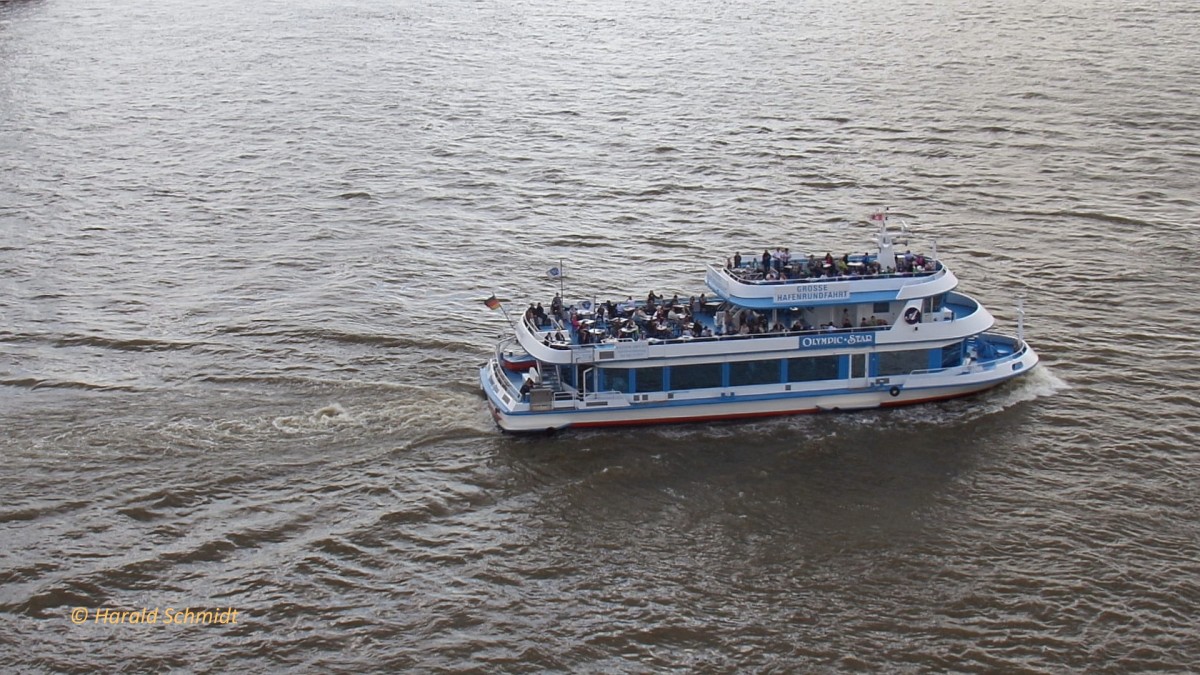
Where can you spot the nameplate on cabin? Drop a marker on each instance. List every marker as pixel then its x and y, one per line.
pixel 621 351
pixel 810 293
pixel 837 340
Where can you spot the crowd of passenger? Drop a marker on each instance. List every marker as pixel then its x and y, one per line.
pixel 655 318
pixel 778 265
pixel 661 319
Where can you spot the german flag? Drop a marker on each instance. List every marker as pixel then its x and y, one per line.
pixel 492 302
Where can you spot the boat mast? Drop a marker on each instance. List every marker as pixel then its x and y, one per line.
pixel 887 254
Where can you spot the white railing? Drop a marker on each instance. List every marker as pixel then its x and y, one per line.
pixel 762 281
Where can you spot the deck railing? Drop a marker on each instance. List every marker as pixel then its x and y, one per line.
pixel 763 281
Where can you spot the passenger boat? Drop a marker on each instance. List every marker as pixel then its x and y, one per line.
pixel 779 336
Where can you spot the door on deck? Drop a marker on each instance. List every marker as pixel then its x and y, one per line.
pixel 858 371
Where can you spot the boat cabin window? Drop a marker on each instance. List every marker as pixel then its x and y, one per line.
pixel 755 372
pixel 902 363
pixel 615 379
pixel 698 376
pixel 952 355
pixel 881 308
pixel 812 368
pixel 646 380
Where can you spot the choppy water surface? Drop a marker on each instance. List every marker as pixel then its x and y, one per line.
pixel 242 249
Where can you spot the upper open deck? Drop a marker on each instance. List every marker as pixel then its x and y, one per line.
pixel 747 287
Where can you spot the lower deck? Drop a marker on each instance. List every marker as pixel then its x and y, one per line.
pixel 533 396
pixel 578 380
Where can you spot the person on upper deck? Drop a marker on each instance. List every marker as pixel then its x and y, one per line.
pixel 766 260
pixel 737 259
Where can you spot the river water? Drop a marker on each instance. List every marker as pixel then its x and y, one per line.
pixel 243 248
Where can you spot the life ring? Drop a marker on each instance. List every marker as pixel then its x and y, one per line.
pixel 894 391
pixel 912 316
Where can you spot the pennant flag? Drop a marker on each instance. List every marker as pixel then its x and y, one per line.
pixel 554 273
pixel 878 216
pixel 492 302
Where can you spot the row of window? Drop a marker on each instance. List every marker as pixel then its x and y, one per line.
pixel 775 371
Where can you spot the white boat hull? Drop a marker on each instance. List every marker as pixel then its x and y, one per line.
pixel 842 395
